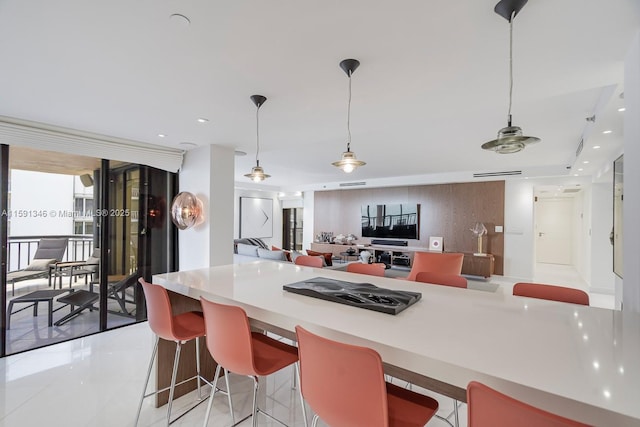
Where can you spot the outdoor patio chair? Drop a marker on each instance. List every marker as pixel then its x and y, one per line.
pixel 87 268
pixel 117 288
pixel 50 251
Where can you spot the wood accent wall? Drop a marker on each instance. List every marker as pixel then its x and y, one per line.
pixel 446 210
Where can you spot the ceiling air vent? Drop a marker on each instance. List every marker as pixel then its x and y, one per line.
pixel 579 149
pixel 571 190
pixel 490 174
pixel 352 184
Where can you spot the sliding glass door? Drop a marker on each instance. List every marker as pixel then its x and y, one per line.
pixel 79 232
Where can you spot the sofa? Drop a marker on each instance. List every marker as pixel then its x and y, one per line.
pixel 254 249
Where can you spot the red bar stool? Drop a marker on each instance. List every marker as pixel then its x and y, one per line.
pixel 309 261
pixel 490 408
pixel 180 329
pixel 446 263
pixel 344 384
pixel 434 278
pixel 233 345
pixel 551 292
pixel 376 269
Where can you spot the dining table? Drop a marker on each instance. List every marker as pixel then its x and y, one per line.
pixel 577 361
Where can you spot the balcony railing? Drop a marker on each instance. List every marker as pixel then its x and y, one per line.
pixel 21 249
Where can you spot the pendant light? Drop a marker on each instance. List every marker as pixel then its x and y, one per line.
pixel 348 163
pixel 257 173
pixel 510 138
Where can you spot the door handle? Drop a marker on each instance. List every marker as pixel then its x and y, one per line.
pixel 540 234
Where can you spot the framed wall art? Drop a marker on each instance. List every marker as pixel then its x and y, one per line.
pixel 256 217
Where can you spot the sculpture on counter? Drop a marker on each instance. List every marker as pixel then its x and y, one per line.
pixel 479 230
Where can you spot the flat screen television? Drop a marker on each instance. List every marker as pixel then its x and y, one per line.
pixel 395 221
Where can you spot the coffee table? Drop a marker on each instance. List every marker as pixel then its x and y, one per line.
pixel 35 297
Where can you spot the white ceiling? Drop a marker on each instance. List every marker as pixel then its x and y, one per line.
pixel 431 88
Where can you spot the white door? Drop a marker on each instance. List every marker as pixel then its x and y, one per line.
pixel 554 228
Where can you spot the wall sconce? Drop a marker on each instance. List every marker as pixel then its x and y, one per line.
pixel 186 210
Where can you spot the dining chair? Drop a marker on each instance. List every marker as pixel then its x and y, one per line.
pixel 344 384
pixel 376 269
pixel 434 278
pixel 309 261
pixel 487 407
pixel 236 348
pixel 178 328
pixel 551 292
pixel 445 263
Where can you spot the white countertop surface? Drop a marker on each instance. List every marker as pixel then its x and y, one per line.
pixel 580 362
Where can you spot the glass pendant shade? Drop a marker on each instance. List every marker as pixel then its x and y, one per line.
pixel 348 163
pixel 257 174
pixel 510 140
pixel 186 210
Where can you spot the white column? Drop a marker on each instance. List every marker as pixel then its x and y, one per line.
pixel 208 173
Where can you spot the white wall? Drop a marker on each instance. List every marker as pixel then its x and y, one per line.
pixel 519 239
pixel 208 172
pixel 582 233
pixel 631 205
pixel 602 276
pixel 307 218
pixel 34 193
pixel 276 239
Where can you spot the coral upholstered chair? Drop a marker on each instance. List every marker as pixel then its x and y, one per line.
pixel 445 263
pixel 490 408
pixel 441 279
pixel 376 269
pixel 179 328
pixel 344 384
pixel 309 261
pixel 233 345
pixel 551 292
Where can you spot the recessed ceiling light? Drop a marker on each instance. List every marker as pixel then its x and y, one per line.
pixel 161 135
pixel 595 147
pixel 621 109
pixel 575 174
pixel 607 131
pixel 586 162
pixel 580 169
pixel 202 120
pixel 239 153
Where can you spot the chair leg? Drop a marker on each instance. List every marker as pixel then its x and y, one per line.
pixel 226 380
pixel 176 362
pixel 146 383
pixel 254 413
pixel 297 376
pixel 198 367
pixel 456 420
pixel 314 423
pixel 211 395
